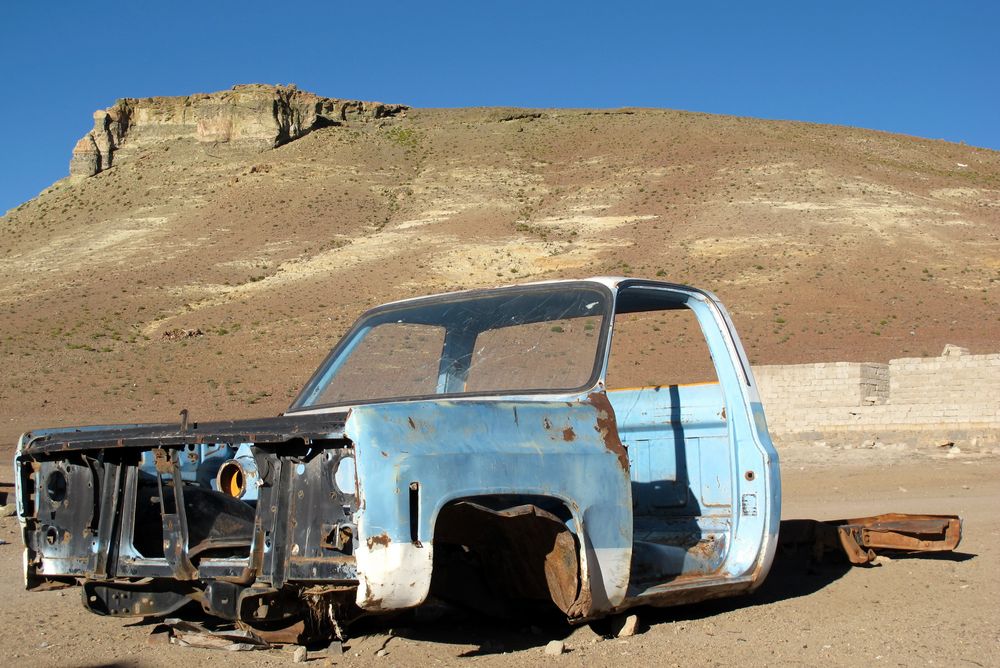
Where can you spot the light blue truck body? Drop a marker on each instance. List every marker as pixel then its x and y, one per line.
pixel 673 490
pixel 595 499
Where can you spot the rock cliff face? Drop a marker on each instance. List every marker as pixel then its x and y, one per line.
pixel 253 115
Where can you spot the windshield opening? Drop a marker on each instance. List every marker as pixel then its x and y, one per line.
pixel 532 339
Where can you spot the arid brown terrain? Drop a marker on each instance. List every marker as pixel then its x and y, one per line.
pixel 206 272
pixel 827 243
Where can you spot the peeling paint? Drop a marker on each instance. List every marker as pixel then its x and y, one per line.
pixel 382 539
pixel 607 427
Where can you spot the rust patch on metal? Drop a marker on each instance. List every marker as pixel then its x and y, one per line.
pixel 162 461
pixel 370 601
pixel 583 605
pixel 562 571
pixel 381 539
pixel 705 549
pixel 607 426
pixel 568 434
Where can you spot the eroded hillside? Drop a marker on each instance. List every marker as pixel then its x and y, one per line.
pixel 827 243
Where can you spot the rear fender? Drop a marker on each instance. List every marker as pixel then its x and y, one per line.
pixel 415 457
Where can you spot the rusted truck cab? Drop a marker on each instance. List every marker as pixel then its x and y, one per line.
pixel 589 444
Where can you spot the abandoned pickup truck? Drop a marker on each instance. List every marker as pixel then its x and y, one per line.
pixel 586 445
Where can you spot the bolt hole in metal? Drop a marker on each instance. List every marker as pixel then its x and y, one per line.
pixel 56 485
pixel 750 475
pixel 51 535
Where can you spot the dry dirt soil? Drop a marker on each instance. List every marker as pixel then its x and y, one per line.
pixel 827 243
pixel 907 612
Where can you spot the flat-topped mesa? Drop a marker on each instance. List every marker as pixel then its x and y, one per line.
pixel 255 115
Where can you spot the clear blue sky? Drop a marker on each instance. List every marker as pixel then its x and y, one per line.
pixel 930 69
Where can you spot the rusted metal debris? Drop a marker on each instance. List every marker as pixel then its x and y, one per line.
pixel 191 634
pixel 860 539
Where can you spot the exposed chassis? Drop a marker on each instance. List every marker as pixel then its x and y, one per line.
pixel 237 565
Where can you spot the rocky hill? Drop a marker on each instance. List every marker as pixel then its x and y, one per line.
pixel 208 250
pixel 253 115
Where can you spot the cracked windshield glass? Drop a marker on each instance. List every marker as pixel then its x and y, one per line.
pixel 537 339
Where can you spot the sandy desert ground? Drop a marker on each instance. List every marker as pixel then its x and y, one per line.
pixel 907 612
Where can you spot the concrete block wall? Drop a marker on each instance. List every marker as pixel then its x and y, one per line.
pixel 970 379
pixel 822 385
pixel 875 384
pixel 935 398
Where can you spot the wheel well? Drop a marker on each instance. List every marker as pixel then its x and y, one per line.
pixel 499 553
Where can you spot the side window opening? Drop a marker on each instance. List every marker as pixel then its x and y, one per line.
pixel 670 412
pixel 658 348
